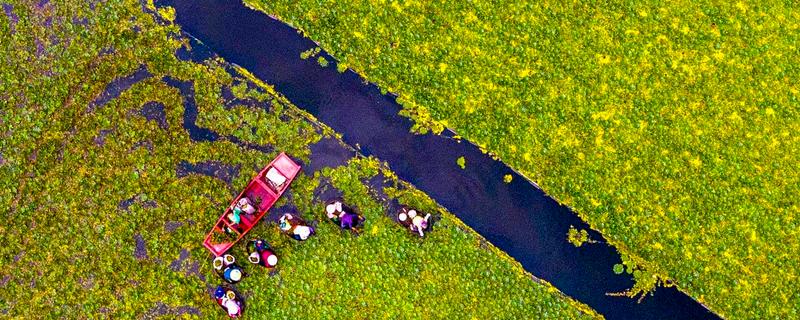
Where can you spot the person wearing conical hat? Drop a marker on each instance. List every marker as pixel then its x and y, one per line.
pixel 228 300
pixel 287 222
pixel 226 267
pixel 418 223
pixel 344 216
pixel 234 217
pixel 333 209
pixel 403 218
pixel 233 274
pixel 413 220
pixel 295 227
pixel 263 254
pixel 302 232
pixel 245 206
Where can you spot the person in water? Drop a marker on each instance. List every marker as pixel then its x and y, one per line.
pixel 295 227
pixel 418 223
pixel 411 219
pixel 344 216
pixel 228 269
pixel 228 300
pixel 263 254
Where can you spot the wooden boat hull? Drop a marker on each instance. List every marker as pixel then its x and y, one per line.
pixel 263 191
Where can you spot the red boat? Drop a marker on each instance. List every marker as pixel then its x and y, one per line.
pixel 261 194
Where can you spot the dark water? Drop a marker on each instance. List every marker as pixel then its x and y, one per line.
pixel 190 116
pixel 12 17
pixel 154 111
pixel 197 133
pixel 216 169
pixel 116 87
pixel 141 247
pixel 517 217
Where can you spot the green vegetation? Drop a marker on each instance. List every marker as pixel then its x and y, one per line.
pixel 578 237
pixel 309 53
pixel 322 62
pixel 70 249
pixel 672 128
pixel 461 162
pixel 388 273
pixel 619 268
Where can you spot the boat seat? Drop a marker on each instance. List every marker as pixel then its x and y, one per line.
pixel 275 179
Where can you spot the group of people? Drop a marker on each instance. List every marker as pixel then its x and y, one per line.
pixel 413 220
pixel 295 227
pixel 262 254
pixel 229 300
pixel 344 216
pixel 227 268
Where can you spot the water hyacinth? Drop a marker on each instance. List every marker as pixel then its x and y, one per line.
pixel 66 169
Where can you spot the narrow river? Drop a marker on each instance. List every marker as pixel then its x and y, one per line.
pixel 518 217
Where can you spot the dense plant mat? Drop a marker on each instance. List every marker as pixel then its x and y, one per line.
pixel 670 127
pixel 107 196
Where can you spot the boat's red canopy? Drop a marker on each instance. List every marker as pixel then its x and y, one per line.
pixel 265 188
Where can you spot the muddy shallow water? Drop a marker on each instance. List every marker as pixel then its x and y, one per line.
pixel 517 217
